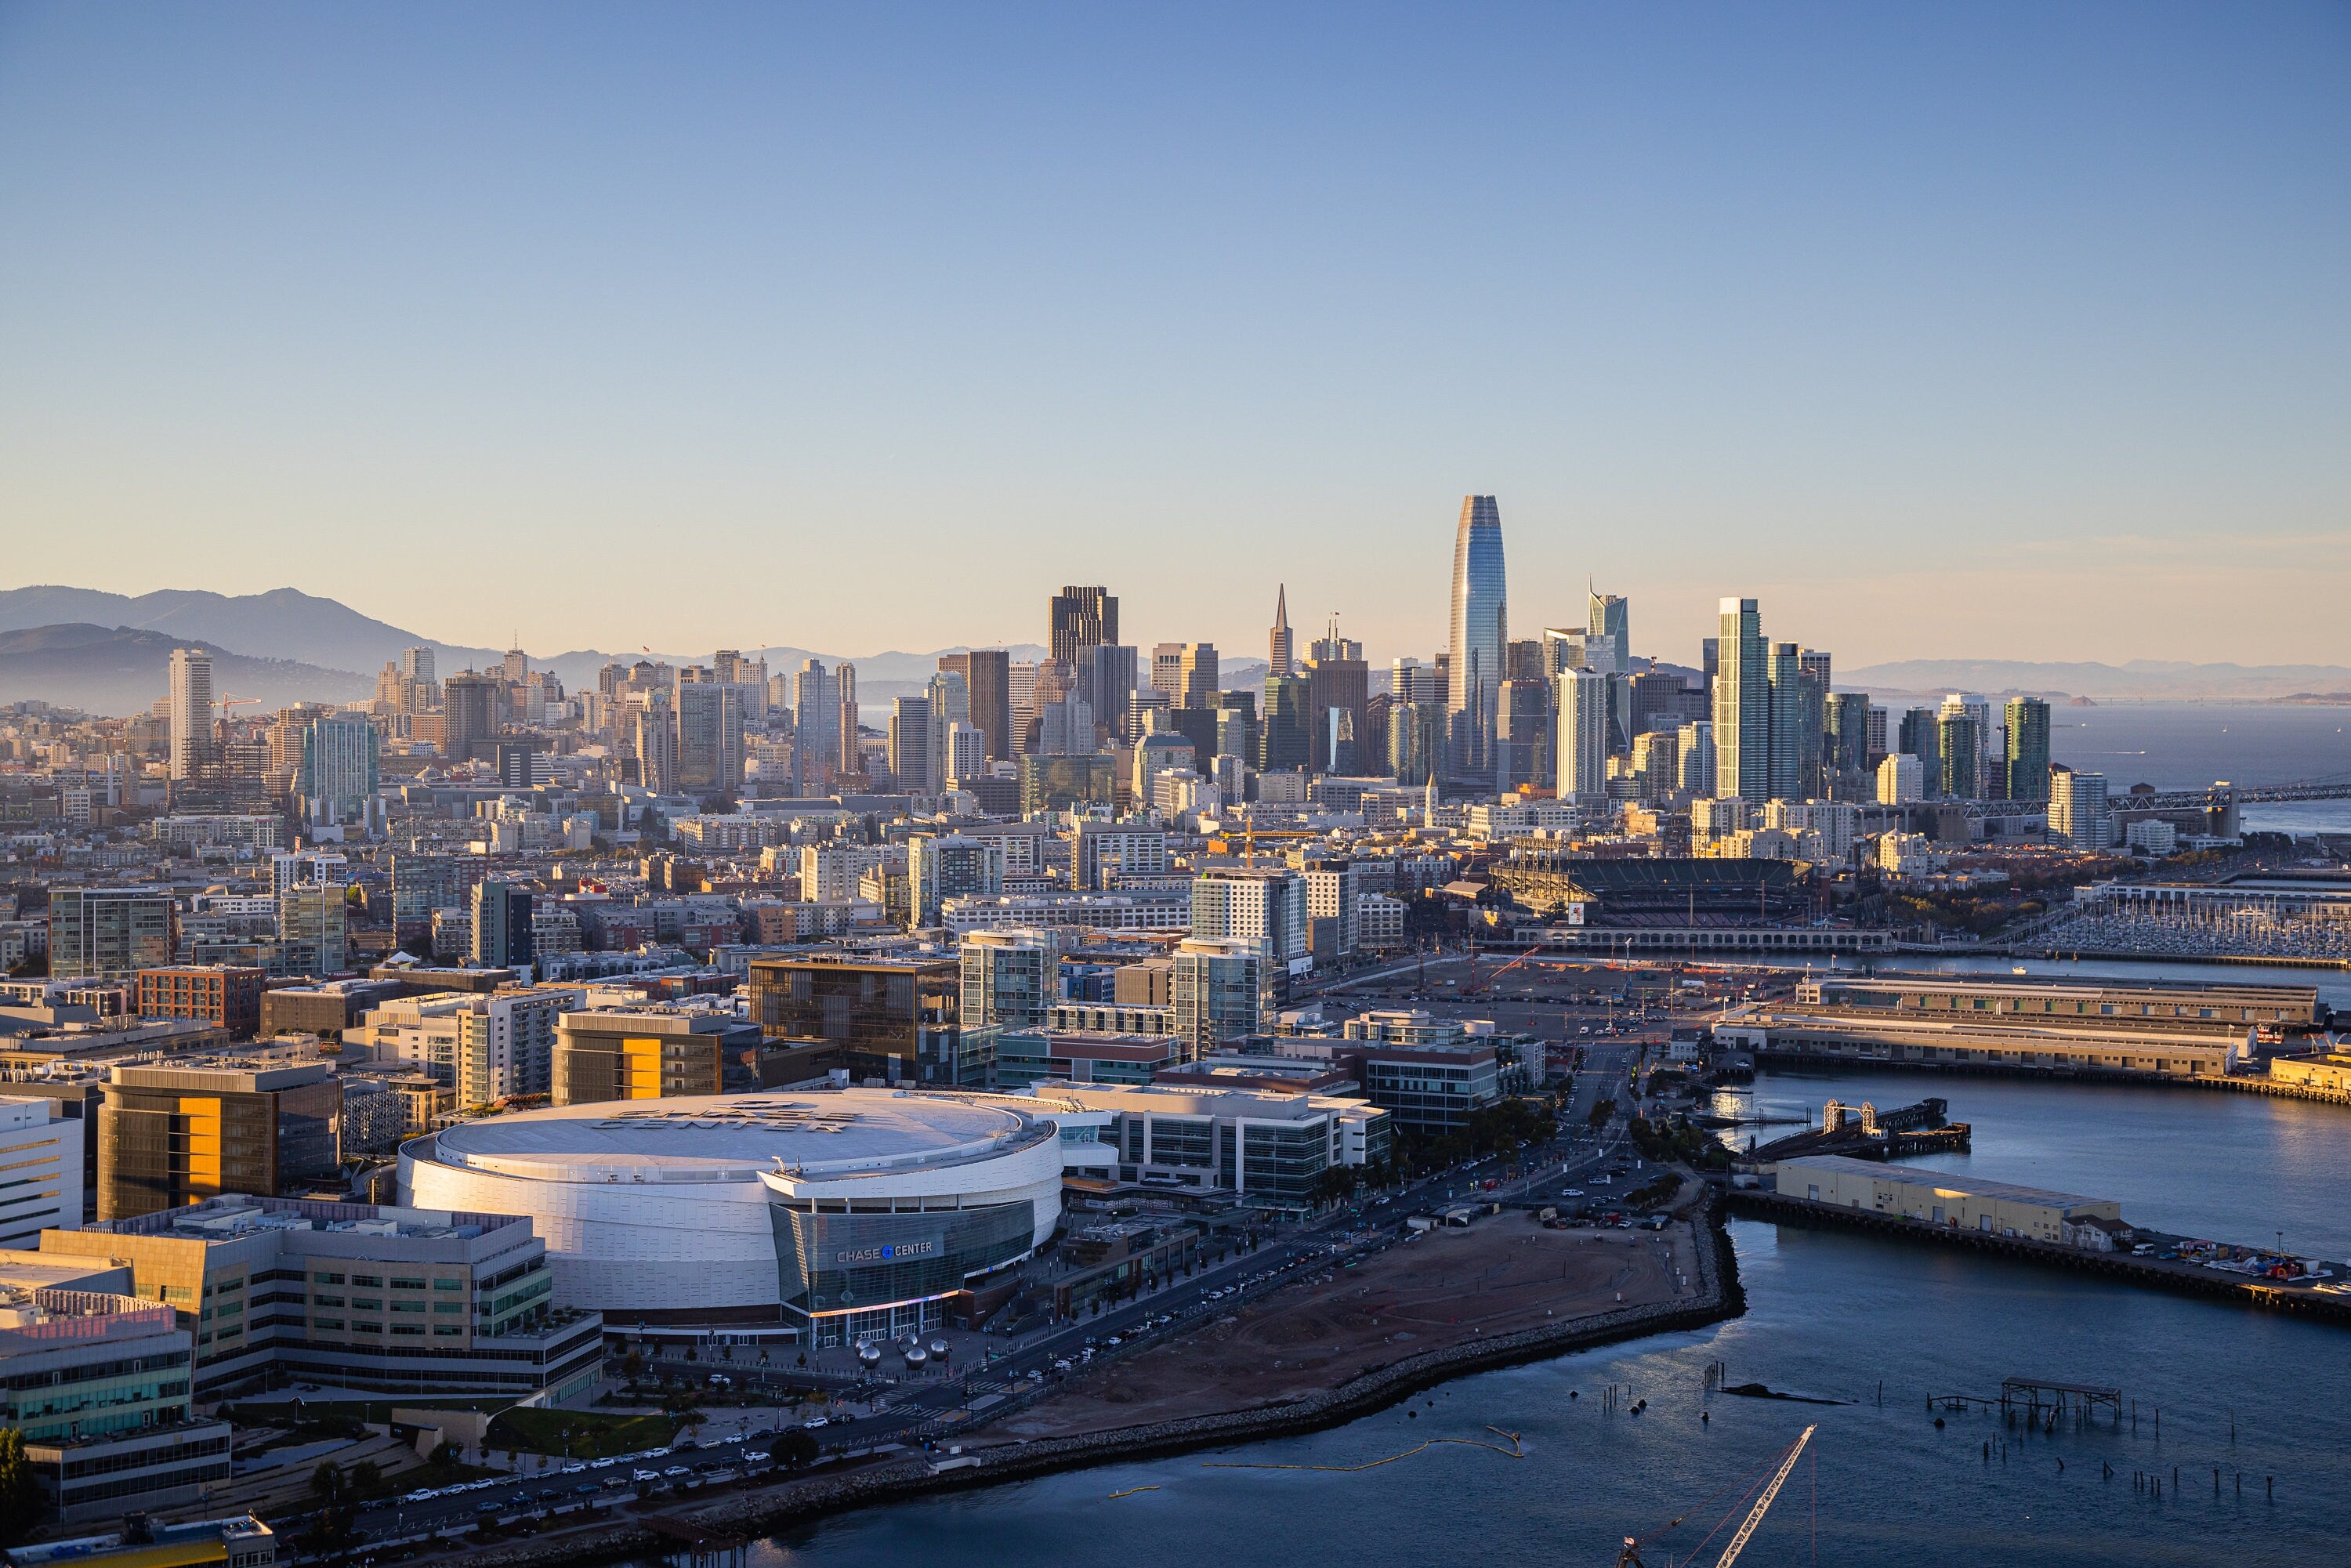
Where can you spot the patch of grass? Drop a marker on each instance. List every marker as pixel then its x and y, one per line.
pixel 579 1434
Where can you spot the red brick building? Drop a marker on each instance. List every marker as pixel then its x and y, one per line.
pixel 226 996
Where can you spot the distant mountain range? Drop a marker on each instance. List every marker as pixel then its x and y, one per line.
pixel 286 624
pixel 283 623
pixel 2143 680
pixel 121 671
pixel 110 653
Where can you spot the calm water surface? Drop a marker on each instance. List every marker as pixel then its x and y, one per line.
pixel 2186 746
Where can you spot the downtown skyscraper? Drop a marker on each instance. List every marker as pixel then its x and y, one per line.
pixel 1480 632
pixel 1082 618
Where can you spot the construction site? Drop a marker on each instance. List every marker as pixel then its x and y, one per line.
pixel 1444 1288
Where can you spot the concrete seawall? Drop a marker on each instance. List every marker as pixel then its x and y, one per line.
pixel 2184 1279
pixel 772 1507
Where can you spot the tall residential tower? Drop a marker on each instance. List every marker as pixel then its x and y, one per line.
pixel 192 711
pixel 1743 705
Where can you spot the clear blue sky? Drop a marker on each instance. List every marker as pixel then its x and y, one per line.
pixel 2007 330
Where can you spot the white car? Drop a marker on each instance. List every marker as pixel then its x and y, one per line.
pixel 573 1469
pixel 645 1476
pixel 755 1457
pixel 813 1422
pixel 421 1496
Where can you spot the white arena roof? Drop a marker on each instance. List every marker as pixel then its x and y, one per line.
pixel 734 1137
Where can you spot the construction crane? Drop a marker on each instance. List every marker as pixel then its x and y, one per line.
pixel 1250 832
pixel 1630 1557
pixel 1763 1504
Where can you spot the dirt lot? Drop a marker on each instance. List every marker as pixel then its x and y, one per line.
pixel 1503 1274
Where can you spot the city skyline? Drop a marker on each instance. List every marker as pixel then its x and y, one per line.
pixel 949 723
pixel 639 298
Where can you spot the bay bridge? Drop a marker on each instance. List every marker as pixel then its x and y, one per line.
pixel 2223 794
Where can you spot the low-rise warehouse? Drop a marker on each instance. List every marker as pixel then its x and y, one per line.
pixel 1996 1042
pixel 1940 1198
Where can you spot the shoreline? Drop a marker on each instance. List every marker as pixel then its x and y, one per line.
pixel 769 1510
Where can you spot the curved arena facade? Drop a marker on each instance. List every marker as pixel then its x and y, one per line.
pixel 847 1214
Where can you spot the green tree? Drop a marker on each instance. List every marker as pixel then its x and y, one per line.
pixel 366 1477
pixel 21 1504
pixel 330 1529
pixel 796 1450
